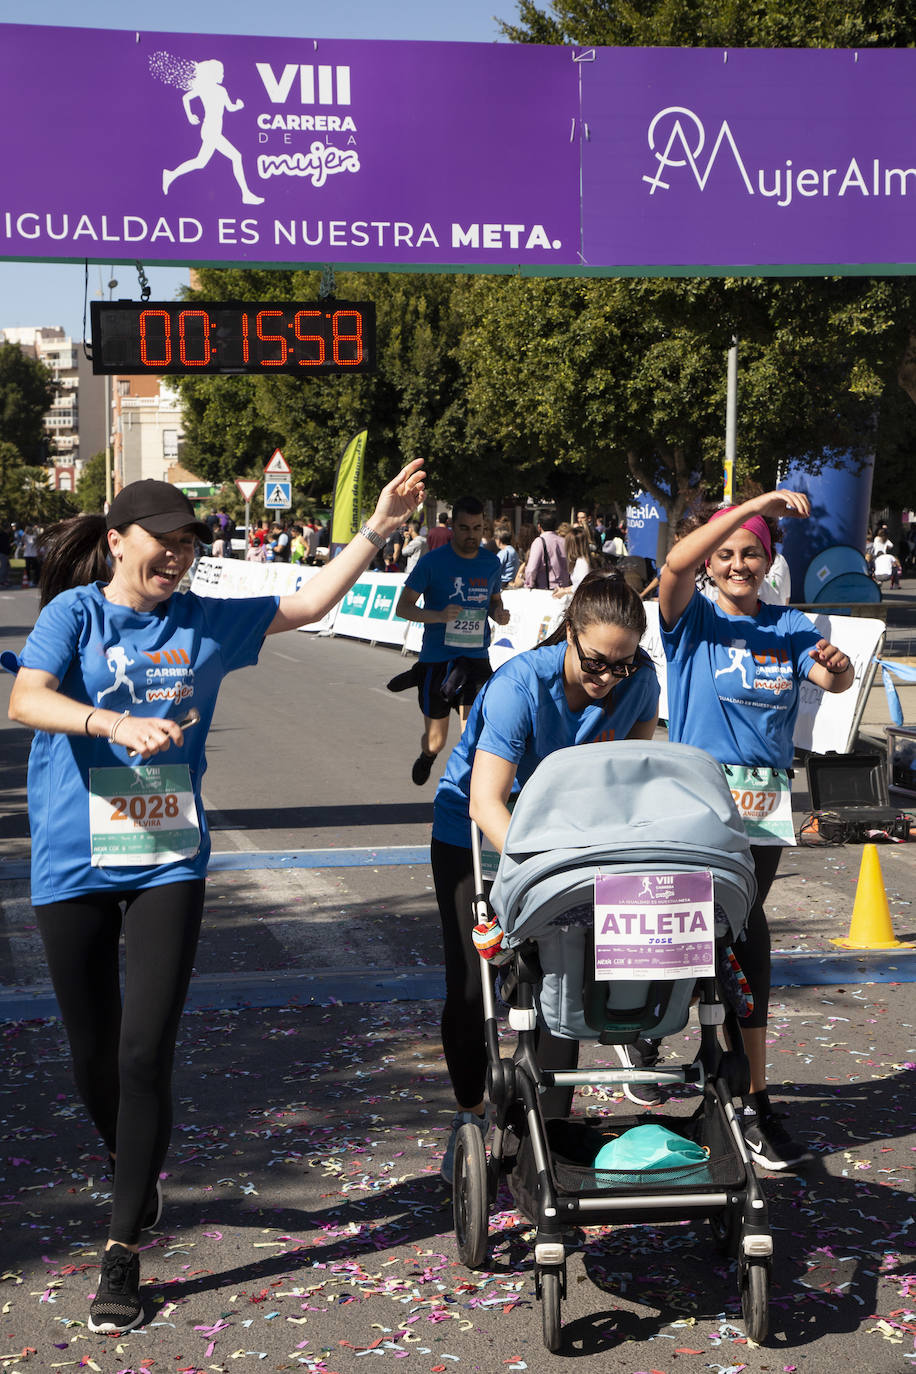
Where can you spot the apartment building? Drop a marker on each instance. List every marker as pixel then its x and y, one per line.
pixel 146 428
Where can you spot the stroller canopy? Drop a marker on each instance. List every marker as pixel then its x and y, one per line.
pixel 627 807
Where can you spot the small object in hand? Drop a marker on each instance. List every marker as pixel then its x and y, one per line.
pixel 488 941
pixel 189 718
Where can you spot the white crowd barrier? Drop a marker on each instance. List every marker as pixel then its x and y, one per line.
pixel 825 721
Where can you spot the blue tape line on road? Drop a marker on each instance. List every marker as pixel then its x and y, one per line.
pixel 386 857
pixel 289 988
pixel 320 858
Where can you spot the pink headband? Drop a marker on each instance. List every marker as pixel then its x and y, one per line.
pixel 755 523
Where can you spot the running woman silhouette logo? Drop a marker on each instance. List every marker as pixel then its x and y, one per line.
pixel 203 81
pixel 459 588
pixel 737 652
pixel 118 662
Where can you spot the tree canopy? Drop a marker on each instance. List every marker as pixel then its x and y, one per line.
pixel 717 23
pixel 27 389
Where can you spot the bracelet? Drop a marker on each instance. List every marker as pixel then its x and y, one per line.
pixel 89 718
pixel 837 672
pixel 114 729
pixel 373 537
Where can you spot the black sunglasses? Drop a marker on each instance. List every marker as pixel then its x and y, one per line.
pixel 623 667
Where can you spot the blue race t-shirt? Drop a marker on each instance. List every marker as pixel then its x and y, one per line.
pixel 733 680
pixel 443 578
pixel 522 715
pixel 156 663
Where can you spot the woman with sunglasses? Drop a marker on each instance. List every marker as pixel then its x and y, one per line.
pixel 588 681
pixel 735 667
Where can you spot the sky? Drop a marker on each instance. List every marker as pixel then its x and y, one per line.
pixel 52 293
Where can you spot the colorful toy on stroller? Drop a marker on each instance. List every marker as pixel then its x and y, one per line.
pixel 624 882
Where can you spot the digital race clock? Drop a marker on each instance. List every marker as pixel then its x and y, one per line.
pixel 192 337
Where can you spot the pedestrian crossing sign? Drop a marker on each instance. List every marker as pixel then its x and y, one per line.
pixel 277 495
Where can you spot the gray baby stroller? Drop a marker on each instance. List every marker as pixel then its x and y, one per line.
pixel 624 881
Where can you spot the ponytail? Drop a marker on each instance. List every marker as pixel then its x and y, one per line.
pixel 74 553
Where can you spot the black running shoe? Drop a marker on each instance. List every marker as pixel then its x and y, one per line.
pixel 642 1055
pixel 153 1209
pixel 422 768
pixel 116 1305
pixel 769 1143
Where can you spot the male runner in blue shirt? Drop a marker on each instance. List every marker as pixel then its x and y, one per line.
pixel 459 584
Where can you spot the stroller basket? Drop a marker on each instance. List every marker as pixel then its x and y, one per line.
pixel 574 1145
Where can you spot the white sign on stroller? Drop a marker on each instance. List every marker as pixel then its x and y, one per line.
pixel 654 926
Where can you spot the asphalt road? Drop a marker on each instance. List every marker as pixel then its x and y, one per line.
pixel 305 1227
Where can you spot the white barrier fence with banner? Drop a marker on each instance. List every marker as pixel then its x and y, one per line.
pixel 826 720
pixel 367 610
pixel 233 577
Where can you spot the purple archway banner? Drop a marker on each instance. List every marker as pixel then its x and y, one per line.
pixel 480 157
pixel 189 147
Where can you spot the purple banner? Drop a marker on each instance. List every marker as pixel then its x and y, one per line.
pixel 194 148
pixel 700 157
pixel 654 925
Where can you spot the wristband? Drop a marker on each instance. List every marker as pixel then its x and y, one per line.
pixel 114 729
pixel 837 672
pixel 89 718
pixel 373 537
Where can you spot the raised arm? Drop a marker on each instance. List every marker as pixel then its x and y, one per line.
pixel 676 582
pixel 402 495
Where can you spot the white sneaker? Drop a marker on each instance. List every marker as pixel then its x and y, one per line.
pixel 642 1055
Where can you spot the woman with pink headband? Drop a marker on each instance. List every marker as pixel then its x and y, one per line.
pixel 734 672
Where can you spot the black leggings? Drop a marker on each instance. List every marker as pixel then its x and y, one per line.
pixel 463 1016
pixel 122 1057
pixel 753 952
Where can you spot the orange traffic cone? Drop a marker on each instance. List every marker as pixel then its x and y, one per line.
pixel 870 927
pixel 25 580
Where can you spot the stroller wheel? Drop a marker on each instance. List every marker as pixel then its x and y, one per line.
pixel 469 1196
pixel 550 1286
pixel 754 1281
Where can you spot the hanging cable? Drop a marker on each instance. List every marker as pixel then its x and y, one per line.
pixel 87 349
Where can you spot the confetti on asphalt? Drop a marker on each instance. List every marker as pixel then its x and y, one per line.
pixel 308 1229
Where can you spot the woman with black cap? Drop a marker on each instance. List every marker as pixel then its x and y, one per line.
pixel 117 668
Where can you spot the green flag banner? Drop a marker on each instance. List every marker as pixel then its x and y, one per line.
pixel 346 510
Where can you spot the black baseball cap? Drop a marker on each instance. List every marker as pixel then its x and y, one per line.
pixel 158 507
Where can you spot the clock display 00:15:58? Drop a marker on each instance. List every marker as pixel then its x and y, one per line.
pixel 187 338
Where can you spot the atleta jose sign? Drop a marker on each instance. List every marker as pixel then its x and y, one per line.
pixel 481 157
